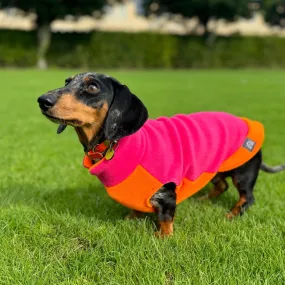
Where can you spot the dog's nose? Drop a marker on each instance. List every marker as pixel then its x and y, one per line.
pixel 46 101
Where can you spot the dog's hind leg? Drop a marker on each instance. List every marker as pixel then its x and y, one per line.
pixel 220 186
pixel 244 179
pixel 164 203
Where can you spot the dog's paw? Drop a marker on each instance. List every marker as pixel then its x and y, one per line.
pixel 129 217
pixel 203 197
pixel 165 229
pixel 160 234
pixel 235 212
pixel 229 215
pixel 135 215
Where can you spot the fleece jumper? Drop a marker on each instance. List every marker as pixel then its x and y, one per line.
pixel 188 150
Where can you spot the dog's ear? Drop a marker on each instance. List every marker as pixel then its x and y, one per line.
pixel 126 115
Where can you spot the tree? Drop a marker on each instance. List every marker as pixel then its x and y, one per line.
pixel 49 10
pixel 274 12
pixel 204 10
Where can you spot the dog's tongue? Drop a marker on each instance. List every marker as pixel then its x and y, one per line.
pixel 60 129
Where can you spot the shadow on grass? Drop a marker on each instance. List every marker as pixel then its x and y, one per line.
pixel 90 201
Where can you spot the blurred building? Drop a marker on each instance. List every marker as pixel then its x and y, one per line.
pixel 128 17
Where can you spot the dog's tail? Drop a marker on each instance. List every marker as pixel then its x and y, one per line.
pixel 272 169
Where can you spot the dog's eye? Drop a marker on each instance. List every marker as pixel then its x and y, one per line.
pixel 92 88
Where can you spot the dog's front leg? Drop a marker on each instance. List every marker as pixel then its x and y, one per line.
pixel 164 203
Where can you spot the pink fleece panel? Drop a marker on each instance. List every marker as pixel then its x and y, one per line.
pixel 183 146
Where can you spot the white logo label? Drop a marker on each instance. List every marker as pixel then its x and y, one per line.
pixel 249 144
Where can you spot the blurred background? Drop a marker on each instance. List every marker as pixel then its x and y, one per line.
pixel 142 33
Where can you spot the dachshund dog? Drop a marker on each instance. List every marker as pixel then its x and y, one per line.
pixel 152 165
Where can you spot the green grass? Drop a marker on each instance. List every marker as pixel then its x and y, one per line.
pixel 58 226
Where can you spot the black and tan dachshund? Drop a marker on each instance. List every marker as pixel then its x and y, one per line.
pixel 100 108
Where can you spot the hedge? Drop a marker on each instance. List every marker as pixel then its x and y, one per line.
pixel 142 50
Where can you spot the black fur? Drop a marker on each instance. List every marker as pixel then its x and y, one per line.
pixel 126 114
pixel 164 202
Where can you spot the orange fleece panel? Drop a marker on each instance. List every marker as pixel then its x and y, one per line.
pixel 135 191
pixel 189 188
pixel 242 155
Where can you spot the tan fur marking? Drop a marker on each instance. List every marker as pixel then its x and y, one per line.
pixel 86 79
pixel 69 108
pixel 236 210
pixel 165 229
pixel 218 189
pixel 90 130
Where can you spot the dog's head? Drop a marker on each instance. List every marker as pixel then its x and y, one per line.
pixel 94 103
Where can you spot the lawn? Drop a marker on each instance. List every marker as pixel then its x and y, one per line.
pixel 58 226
